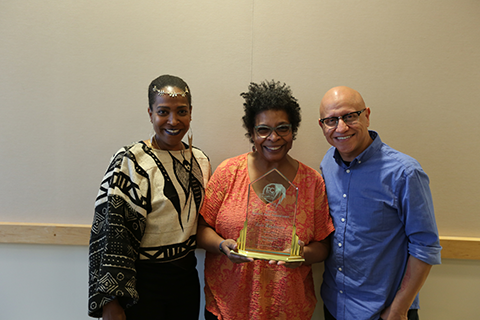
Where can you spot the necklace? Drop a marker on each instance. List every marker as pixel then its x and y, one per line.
pixel 186 164
pixel 156 145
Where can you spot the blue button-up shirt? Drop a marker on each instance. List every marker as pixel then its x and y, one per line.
pixel 382 210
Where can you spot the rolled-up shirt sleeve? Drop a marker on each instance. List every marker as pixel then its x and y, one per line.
pixel 419 218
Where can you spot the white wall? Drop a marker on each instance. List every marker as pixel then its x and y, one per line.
pixel 74 76
pixel 73 80
pixel 44 282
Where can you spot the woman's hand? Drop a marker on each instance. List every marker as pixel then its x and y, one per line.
pixel 291 265
pixel 113 311
pixel 230 244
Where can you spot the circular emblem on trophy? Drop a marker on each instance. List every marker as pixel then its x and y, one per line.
pixel 274 191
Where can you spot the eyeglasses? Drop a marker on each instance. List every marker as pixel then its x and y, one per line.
pixel 349 119
pixel 265 131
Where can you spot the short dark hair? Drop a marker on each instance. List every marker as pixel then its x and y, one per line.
pixel 269 95
pixel 164 81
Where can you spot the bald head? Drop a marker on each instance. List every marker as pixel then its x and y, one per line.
pixel 349 135
pixel 341 95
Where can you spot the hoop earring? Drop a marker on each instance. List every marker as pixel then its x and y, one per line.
pixel 190 141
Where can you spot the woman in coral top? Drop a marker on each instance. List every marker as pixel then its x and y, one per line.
pixel 238 287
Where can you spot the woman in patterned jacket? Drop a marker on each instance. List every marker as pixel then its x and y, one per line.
pixel 142 263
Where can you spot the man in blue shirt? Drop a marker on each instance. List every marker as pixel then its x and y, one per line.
pixel 386 238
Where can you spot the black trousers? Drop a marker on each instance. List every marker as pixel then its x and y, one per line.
pixel 209 315
pixel 412 314
pixel 167 292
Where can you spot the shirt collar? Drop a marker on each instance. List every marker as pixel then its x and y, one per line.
pixel 366 154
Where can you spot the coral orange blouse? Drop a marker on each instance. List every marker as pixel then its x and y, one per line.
pixel 258 290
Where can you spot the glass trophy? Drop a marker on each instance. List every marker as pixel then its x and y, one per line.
pixel 269 230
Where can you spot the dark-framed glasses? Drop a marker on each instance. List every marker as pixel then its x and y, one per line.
pixel 349 119
pixel 265 131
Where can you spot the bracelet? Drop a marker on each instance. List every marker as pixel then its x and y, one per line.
pixel 220 247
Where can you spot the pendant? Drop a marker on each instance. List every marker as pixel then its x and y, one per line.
pixel 186 164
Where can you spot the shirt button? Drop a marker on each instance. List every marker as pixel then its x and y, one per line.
pixel 344 195
pixel 339 244
pixel 341 291
pixel 343 219
pixel 359 161
pixel 340 269
pixel 348 170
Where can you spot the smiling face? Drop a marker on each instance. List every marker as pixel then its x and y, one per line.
pixel 350 140
pixel 170 116
pixel 274 148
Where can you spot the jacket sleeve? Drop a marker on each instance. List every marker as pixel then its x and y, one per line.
pixel 119 223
